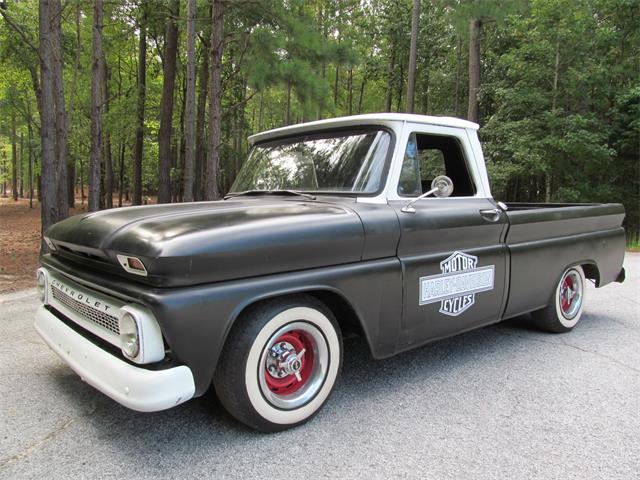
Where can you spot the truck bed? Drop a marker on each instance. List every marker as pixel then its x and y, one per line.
pixel 543 238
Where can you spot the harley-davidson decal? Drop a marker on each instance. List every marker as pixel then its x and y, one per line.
pixel 456 286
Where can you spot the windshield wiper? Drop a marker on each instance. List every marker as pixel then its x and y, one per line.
pixel 270 192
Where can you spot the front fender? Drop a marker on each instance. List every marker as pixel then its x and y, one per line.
pixel 196 320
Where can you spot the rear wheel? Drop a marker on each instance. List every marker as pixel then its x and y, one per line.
pixel 565 308
pixel 280 363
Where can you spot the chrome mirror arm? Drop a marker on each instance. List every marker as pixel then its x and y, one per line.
pixel 408 208
pixel 442 187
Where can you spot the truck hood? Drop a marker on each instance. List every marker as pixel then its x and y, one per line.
pixel 193 243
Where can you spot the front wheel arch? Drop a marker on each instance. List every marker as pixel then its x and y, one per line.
pixel 349 320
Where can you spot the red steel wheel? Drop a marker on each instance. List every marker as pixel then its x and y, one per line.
pixel 294 343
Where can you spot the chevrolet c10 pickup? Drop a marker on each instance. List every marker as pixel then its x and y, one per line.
pixel 380 225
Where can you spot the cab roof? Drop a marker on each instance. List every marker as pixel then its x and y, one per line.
pixel 361 120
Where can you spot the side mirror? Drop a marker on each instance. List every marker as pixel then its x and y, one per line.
pixel 441 187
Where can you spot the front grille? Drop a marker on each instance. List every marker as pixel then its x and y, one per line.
pixel 102 319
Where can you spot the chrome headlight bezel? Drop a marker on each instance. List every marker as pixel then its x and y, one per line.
pixel 149 336
pixel 42 285
pixel 129 335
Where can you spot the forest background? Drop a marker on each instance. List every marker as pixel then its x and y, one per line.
pixel 109 103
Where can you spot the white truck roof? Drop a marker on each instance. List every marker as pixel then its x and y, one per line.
pixel 358 120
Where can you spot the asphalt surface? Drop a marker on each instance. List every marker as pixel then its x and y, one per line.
pixel 506 401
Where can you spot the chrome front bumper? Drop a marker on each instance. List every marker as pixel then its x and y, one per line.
pixel 134 387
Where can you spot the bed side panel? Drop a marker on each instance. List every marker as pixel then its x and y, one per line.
pixel 544 242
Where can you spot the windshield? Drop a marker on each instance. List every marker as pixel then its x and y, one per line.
pixel 329 162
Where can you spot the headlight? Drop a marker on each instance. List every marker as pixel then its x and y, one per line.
pixel 129 335
pixel 140 335
pixel 41 284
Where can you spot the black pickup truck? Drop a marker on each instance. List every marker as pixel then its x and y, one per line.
pixel 382 225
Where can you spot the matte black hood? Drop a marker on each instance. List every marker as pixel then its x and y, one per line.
pixel 191 243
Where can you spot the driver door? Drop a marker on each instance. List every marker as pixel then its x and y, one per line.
pixel 452 250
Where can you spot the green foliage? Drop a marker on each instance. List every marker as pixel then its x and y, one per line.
pixel 561 102
pixel 559 98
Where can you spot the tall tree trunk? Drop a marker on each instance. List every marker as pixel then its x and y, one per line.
pixel 178 157
pixel 96 107
pixel 335 88
pixel 456 98
pixel 213 158
pixel 475 30
pixel 108 159
pixel 82 183
pixel 61 115
pixel 48 187
pixel 261 111
pixel 400 83
pixel 390 70
pixel 556 75
pixel 323 65
pixel 362 85
pixel 166 105
pixel 14 159
pixel 30 150
pixel 142 89
pixel 190 106
pixel 21 165
pixel 425 91
pixel 121 173
pixel 71 163
pixel 287 119
pixel 201 150
pixel 413 54
pixel 350 91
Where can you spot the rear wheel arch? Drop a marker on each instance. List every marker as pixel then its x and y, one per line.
pixel 589 268
pixel 591 271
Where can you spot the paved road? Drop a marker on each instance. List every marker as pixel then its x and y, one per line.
pixel 505 401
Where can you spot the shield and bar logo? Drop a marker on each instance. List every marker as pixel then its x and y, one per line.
pixel 456 287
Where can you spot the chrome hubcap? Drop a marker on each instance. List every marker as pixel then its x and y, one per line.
pixel 294 365
pixel 570 294
pixel 283 360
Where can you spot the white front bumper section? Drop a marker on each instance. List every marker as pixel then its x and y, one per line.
pixel 134 387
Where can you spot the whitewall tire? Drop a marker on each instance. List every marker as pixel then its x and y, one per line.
pixel 567 304
pixel 280 363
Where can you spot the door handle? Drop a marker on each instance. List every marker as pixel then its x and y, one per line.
pixel 491 214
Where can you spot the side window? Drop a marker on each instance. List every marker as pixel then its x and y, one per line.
pixel 428 156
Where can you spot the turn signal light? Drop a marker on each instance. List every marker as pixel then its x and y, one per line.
pixel 132 265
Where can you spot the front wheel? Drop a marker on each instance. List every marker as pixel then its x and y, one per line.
pixel 565 308
pixel 280 363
